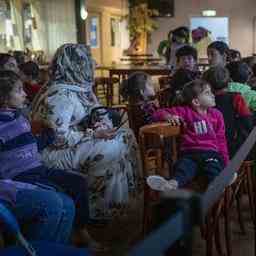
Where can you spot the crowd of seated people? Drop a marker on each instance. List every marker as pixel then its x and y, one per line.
pixel 91 172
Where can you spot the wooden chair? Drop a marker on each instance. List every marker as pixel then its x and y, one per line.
pixel 136 118
pixel 221 210
pixel 151 142
pixel 103 88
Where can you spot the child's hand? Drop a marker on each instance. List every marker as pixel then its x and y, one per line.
pixel 174 120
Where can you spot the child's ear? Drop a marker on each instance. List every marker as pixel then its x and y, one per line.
pixel 195 102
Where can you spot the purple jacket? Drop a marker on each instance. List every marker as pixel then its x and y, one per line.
pixel 18 147
pixel 200 132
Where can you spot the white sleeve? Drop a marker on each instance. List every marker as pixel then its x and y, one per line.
pixel 59 114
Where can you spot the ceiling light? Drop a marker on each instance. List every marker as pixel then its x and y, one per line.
pixel 209 13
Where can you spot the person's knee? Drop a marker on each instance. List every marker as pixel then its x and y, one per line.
pixel 68 206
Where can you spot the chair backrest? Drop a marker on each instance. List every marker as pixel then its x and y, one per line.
pixel 153 140
pixel 136 118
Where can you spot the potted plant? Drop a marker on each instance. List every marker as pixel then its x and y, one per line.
pixel 140 25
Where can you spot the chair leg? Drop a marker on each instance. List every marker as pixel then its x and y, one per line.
pixel 218 239
pixel 250 190
pixel 207 233
pixel 227 222
pixel 239 213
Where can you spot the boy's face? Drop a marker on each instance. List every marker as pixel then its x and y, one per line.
pixel 206 98
pixel 215 58
pixel 186 62
pixel 17 96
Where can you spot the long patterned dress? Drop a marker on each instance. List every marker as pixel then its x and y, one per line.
pixel 112 166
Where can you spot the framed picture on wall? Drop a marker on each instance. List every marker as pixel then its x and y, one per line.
pixel 94 32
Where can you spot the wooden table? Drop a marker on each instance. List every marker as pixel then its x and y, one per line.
pixel 143 60
pixel 123 71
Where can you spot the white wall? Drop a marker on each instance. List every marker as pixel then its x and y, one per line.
pixel 240 13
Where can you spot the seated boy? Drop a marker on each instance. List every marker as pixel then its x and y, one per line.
pixel 237 116
pixel 186 69
pixel 240 74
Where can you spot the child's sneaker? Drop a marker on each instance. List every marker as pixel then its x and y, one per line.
pixel 159 183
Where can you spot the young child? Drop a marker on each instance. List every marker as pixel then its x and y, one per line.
pixel 237 116
pixel 30 75
pixel 138 90
pixel 218 53
pixel 240 74
pixel 186 70
pixel 19 157
pixel 203 143
pixel 234 55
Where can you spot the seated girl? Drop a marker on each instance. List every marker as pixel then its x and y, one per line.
pixel 19 157
pixel 138 90
pixel 203 142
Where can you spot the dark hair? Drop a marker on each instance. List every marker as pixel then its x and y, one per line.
pixel 180 32
pixel 8 80
pixel 181 77
pixel 30 68
pixel 131 87
pixel 220 46
pixel 19 56
pixel 218 77
pixel 233 54
pixel 186 51
pixel 254 69
pixel 239 71
pixel 4 58
pixel 191 90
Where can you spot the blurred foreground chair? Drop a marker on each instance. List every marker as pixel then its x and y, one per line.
pixel 37 248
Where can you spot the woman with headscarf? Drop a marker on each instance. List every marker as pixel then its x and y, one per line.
pixel 108 158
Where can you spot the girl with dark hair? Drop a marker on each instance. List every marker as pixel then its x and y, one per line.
pixel 20 158
pixel 203 144
pixel 49 214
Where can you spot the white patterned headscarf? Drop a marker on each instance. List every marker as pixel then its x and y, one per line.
pixel 71 69
pixel 72 64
